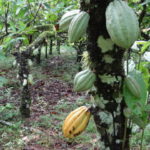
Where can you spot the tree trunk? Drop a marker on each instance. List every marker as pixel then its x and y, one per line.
pixel 51 47
pixel 22 63
pixel 58 46
pixel 107 64
pixel 46 56
pixel 38 57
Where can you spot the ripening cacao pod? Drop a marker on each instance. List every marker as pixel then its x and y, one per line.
pixel 66 19
pixel 133 86
pixel 76 122
pixel 84 80
pixel 78 26
pixel 122 24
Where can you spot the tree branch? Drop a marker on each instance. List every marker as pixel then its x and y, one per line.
pixel 6 19
pixel 30 8
pixel 39 40
pixel 46 27
pixel 6 123
pixel 1 37
pixel 143 13
pixel 28 24
pixel 5 23
pixel 145 36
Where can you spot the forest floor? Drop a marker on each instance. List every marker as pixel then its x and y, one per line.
pixel 52 99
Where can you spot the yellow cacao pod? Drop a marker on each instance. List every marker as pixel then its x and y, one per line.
pixel 76 122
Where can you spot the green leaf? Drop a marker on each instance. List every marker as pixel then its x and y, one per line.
pixel 2 108
pixel 47 5
pixel 147 108
pixel 143 67
pixel 9 106
pixel 145 45
pixel 3 81
pixel 130 99
pixel 141 121
pixel 138 106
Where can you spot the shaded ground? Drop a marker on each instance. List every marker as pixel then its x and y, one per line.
pixel 52 99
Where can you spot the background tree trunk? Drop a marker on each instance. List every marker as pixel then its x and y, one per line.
pixel 58 45
pixel 22 62
pixel 46 53
pixel 38 56
pixel 51 47
pixel 107 64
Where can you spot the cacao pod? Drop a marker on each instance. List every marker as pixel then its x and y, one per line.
pixel 133 86
pixel 76 122
pixel 122 24
pixel 78 26
pixel 84 80
pixel 66 19
pixel 127 112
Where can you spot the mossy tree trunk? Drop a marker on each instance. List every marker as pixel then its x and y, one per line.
pixel 23 59
pixel 46 53
pixel 25 95
pixel 107 60
pixel 23 73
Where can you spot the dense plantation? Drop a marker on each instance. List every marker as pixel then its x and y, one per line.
pixel 74 75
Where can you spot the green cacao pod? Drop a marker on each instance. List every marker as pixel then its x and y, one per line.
pixel 122 23
pixel 133 86
pixel 66 19
pixel 127 112
pixel 78 26
pixel 84 80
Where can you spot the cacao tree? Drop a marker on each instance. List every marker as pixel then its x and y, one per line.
pixel 20 22
pixel 119 95
pixel 107 65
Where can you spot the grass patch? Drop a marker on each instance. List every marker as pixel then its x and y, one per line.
pixel 6 61
pixel 45 121
pixel 52 121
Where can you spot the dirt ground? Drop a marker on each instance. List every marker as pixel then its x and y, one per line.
pixel 52 99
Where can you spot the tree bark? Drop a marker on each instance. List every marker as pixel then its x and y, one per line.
pixel 58 45
pixel 22 59
pixel 22 63
pixel 51 47
pixel 38 57
pixel 107 64
pixel 46 54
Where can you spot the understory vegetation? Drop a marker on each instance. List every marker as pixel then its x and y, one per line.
pixel 53 98
pixel 74 75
